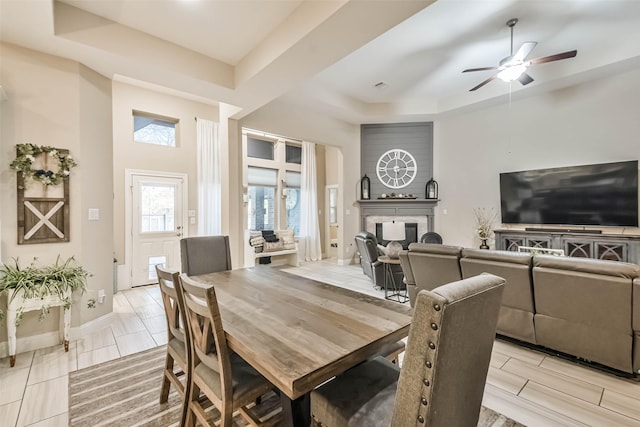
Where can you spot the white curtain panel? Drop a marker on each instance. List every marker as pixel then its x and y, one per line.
pixel 309 240
pixel 209 180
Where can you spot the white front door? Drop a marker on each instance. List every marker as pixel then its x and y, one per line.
pixel 157 226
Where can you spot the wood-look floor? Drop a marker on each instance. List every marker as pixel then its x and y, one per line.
pixel 526 385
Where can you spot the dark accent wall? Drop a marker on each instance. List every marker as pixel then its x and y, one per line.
pixel 416 138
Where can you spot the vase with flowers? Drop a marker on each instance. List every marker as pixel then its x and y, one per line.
pixel 484 224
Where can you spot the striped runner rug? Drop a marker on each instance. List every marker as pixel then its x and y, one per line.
pixel 125 392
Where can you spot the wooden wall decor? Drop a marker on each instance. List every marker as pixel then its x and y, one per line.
pixel 43 210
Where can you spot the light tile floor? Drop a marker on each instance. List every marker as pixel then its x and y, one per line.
pixel 526 385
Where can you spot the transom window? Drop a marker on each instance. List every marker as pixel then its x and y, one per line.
pixel 150 129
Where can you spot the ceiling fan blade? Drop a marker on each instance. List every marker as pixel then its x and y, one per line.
pixel 479 69
pixel 483 83
pixel 556 57
pixel 524 51
pixel 525 79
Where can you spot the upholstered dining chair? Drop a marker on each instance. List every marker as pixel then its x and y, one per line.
pixel 444 371
pixel 177 339
pixel 431 237
pixel 226 380
pixel 205 254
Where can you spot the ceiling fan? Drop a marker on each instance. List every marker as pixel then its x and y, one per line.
pixel 514 67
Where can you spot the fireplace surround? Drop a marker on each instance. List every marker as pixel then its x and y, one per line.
pixel 418 211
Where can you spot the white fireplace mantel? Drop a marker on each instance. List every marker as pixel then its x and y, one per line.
pixel 397 208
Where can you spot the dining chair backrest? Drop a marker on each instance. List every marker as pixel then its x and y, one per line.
pixel 208 341
pixel 445 365
pixel 218 375
pixel 205 254
pixel 175 325
pixel 178 344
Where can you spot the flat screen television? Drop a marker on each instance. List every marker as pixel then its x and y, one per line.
pixel 603 194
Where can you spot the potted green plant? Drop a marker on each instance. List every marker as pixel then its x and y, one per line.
pixel 38 283
pixel 39 288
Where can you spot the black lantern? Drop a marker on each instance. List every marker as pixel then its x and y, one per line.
pixel 432 189
pixel 365 188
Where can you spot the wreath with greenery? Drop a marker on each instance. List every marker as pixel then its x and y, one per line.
pixel 27 154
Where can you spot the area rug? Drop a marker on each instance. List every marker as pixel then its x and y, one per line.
pixel 125 393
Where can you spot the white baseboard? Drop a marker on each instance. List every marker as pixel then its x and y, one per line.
pixel 32 342
pixel 344 261
pixel 53 338
pixel 78 332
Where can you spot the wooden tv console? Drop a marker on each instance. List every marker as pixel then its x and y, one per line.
pixel 575 243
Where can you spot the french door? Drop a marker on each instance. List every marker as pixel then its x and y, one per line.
pixel 156 225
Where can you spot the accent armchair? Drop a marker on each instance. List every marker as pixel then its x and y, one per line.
pixel 367 246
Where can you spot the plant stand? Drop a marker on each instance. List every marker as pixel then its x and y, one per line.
pixel 31 304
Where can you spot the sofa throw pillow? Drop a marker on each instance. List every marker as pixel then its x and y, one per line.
pixel 287 237
pixel 273 246
pixel 269 236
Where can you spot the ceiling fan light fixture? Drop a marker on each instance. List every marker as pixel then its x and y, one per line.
pixel 510 74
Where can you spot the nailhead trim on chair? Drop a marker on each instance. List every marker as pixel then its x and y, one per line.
pixel 429 363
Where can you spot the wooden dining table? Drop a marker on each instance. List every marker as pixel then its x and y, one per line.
pixel 298 332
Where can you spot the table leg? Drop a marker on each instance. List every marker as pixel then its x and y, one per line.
pixel 296 413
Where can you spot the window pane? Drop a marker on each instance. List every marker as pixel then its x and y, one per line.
pixel 293 209
pixel 262 176
pixel 154 131
pixel 156 208
pixel 259 148
pixel 294 154
pixel 261 208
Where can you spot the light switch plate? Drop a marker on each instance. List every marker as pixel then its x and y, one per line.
pixel 192 220
pixel 94 214
pixel 191 213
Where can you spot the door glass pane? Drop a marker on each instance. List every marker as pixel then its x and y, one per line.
pixel 333 204
pixel 261 208
pixel 157 208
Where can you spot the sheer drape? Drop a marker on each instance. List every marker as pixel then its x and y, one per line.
pixel 209 181
pixel 309 247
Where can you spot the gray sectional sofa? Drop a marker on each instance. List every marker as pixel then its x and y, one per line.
pixel 584 307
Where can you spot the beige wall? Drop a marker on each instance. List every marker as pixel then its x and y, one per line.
pixel 53 101
pixel 593 122
pixel 128 154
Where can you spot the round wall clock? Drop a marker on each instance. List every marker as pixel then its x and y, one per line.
pixel 396 168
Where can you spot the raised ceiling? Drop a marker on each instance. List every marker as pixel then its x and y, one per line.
pixel 329 55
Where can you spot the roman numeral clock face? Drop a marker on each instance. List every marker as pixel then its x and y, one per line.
pixel 396 168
